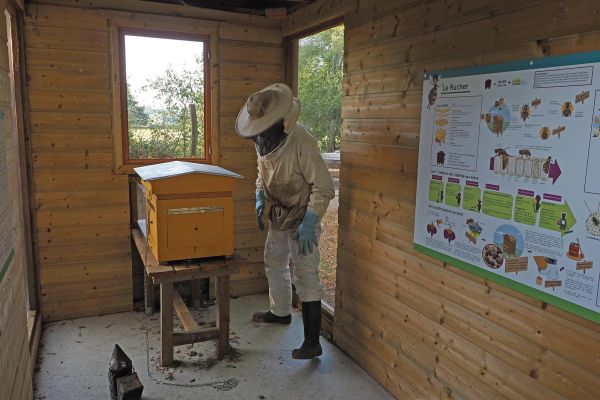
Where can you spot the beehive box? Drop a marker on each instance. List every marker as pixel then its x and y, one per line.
pixel 189 210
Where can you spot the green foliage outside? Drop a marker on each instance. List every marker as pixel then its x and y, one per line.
pixel 167 131
pixel 320 72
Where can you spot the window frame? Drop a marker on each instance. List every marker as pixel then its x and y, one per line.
pixel 174 27
pixel 160 34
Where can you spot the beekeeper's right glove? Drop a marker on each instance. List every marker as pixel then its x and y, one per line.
pixel 260 209
pixel 306 233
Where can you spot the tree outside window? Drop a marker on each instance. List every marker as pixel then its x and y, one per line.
pixel 320 73
pixel 165 96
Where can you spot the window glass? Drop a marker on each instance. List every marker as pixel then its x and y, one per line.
pixel 165 97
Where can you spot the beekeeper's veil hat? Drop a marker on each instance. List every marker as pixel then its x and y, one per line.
pixel 265 108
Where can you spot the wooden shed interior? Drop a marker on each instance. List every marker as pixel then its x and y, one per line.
pixel 422 328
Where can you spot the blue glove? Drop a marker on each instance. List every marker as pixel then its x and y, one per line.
pixel 260 209
pixel 306 234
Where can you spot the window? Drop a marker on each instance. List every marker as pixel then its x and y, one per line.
pixel 165 96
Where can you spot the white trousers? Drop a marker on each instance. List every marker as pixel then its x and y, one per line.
pixel 280 248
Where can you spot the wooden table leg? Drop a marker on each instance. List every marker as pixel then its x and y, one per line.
pixel 223 315
pixel 166 324
pixel 148 294
pixel 212 286
pixel 196 288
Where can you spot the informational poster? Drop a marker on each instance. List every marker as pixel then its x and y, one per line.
pixel 6 217
pixel 509 176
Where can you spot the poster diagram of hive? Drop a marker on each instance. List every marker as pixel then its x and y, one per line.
pixel 509 176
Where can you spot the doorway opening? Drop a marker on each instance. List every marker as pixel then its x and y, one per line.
pixel 318 84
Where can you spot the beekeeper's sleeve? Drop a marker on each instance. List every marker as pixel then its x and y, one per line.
pixel 317 175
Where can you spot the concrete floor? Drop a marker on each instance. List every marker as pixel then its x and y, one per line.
pixel 74 355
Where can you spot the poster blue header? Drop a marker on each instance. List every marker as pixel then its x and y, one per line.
pixel 544 62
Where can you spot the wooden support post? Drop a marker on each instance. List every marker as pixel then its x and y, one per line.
pixel 223 315
pixel 212 288
pixel 196 288
pixel 194 118
pixel 148 294
pixel 166 324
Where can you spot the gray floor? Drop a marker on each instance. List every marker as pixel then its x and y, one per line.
pixel 73 361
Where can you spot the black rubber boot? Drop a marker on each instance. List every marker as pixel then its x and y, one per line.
pixel 311 317
pixel 269 317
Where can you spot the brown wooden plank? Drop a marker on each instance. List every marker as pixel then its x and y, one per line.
pixel 150 263
pixel 223 316
pixel 401 132
pixel 61 292
pixel 40 59
pixel 55 95
pixel 65 38
pixel 86 272
pixel 249 287
pixel 53 235
pixel 392 158
pixel 148 294
pixel 44 80
pixel 83 253
pixel 166 324
pixel 101 160
pixel 421 18
pixel 56 311
pixel 242 51
pixel 195 336
pixel 405 104
pixel 81 199
pixel 250 71
pixel 186 318
pixel 60 180
pixel 77 18
pixel 50 121
pixel 70 141
pixel 245 32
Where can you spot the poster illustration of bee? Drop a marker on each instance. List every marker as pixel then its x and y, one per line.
pixel 432 97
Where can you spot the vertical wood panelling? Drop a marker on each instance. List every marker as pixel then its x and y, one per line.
pixel 250 59
pixel 423 328
pixel 82 212
pixel 15 361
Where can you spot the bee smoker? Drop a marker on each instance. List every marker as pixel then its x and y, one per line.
pixel 123 381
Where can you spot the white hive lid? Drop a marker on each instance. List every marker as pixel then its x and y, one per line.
pixel 177 168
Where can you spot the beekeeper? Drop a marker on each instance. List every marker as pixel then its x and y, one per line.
pixel 293 177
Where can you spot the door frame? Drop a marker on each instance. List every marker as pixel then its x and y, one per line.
pixel 14 9
pixel 290 77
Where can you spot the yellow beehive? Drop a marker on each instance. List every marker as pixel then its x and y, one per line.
pixel 189 210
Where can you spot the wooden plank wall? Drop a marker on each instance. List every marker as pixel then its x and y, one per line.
pixel 423 328
pixel 82 211
pixel 81 207
pixel 250 58
pixel 15 361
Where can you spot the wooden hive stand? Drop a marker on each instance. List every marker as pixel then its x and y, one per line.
pixel 166 274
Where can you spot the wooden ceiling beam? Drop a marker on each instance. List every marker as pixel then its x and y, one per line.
pixel 171 9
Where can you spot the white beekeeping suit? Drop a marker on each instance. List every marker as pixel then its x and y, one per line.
pixel 294 178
